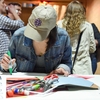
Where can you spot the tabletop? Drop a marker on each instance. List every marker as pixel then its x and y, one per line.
pixel 80 94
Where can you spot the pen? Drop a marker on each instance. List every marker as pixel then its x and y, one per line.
pixel 32 88
pixel 10 64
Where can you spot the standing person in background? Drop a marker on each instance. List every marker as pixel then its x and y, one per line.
pixel 18 10
pixel 74 23
pixel 43 47
pixel 7 24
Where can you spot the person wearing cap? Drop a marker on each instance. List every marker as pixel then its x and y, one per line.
pixel 40 46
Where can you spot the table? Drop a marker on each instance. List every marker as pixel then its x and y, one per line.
pixel 23 74
pixel 85 94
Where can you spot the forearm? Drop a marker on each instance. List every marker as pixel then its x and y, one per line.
pixel 9 24
pixel 17 24
pixel 65 67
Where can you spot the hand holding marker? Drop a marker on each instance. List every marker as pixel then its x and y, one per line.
pixel 10 64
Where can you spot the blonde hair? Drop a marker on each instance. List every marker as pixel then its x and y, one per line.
pixel 74 16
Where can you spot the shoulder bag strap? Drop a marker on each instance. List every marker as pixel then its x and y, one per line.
pixel 77 49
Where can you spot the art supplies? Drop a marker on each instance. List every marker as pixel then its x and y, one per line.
pixel 21 86
pixel 49 80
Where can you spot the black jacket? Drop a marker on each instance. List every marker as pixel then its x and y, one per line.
pixel 97 37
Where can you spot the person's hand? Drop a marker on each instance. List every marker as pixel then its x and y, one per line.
pixel 5 62
pixel 11 9
pixel 60 71
pixel 96 42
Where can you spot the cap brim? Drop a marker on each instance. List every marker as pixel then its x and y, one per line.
pixel 36 35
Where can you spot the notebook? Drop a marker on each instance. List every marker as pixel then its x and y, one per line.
pixel 73 82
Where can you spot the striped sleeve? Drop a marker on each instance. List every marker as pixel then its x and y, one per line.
pixel 7 23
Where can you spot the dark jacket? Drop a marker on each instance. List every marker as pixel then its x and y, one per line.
pixel 97 37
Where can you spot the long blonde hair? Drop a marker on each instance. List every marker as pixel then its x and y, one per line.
pixel 74 16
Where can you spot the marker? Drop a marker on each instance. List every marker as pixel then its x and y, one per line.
pixel 10 64
pixel 33 88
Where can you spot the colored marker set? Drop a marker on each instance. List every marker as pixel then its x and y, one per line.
pixel 24 88
pixel 31 87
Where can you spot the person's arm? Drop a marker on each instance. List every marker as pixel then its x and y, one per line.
pixel 66 62
pixel 9 24
pixel 12 10
pixel 92 44
pixel 4 63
